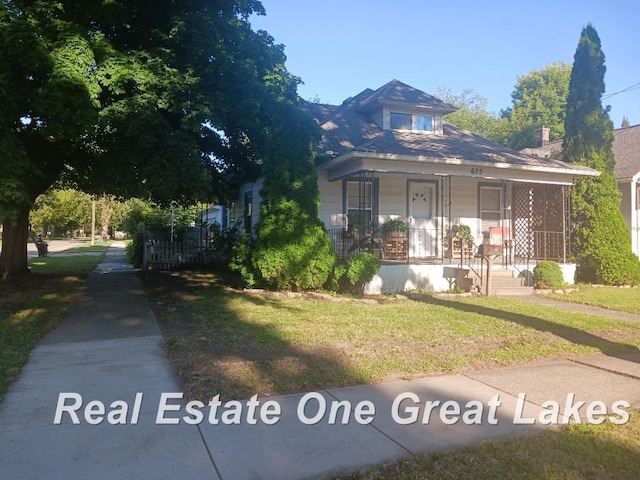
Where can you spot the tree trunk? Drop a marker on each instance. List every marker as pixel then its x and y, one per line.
pixel 13 258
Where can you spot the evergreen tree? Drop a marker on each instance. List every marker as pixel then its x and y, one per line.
pixel 601 240
pixel 625 122
pixel 292 249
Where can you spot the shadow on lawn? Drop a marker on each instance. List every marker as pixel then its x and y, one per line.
pixel 217 351
pixel 573 335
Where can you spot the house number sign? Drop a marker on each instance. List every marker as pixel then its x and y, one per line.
pixel 476 171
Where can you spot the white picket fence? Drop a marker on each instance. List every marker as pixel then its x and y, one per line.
pixel 167 255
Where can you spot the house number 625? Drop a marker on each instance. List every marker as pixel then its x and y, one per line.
pixel 476 171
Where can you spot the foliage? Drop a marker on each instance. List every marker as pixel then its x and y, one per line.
pixel 361 268
pixel 539 98
pixel 61 212
pixel 601 240
pixel 351 275
pixel 164 100
pixel 547 274
pixel 241 260
pixel 393 225
pixel 462 232
pixel 292 249
pixel 135 248
pixel 625 122
pixel 472 114
pixel 224 239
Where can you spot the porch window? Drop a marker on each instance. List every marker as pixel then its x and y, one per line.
pixel 490 202
pixel 360 201
pixel 413 122
pixel 248 211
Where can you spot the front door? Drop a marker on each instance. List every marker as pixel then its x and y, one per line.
pixel 421 216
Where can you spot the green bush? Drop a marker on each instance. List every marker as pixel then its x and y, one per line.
pixel 241 260
pixel 303 262
pixel 352 275
pixel 547 274
pixel 224 240
pixel 135 248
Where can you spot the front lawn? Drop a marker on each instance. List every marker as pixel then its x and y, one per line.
pixel 613 298
pixel 239 343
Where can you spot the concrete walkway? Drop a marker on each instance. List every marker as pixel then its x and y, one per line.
pixel 109 350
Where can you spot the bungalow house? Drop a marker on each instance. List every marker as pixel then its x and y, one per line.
pixel 388 154
pixel 626 150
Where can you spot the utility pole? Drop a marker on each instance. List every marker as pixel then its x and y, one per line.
pixel 93 221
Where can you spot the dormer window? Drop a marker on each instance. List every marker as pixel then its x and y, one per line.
pixel 411 121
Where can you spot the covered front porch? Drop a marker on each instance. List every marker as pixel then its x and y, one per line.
pixel 528 221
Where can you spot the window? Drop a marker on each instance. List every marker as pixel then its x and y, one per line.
pixel 414 122
pixel 490 207
pixel 248 211
pixel 359 201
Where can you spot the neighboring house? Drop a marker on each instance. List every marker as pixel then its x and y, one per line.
pixel 388 154
pixel 626 150
pixel 216 214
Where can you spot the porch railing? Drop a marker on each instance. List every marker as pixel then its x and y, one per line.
pixel 417 243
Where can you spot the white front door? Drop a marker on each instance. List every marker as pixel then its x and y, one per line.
pixel 421 219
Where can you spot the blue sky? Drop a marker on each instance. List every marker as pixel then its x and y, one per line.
pixel 339 48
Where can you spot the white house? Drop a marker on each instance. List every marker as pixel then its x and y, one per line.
pixel 388 154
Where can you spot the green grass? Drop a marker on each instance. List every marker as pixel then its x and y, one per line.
pixel 604 451
pixel 32 305
pixel 613 298
pixel 278 344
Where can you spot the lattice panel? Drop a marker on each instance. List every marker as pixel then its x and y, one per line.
pixel 539 218
pixel 522 206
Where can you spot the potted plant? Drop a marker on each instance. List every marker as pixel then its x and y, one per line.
pixel 462 233
pixel 393 228
pixel 394 233
pixel 460 239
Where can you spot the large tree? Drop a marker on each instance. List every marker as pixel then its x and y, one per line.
pixel 473 114
pixel 539 98
pixel 602 242
pixel 163 99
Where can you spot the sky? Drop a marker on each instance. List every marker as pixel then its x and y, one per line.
pixel 339 48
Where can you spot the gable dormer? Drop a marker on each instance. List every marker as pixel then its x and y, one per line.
pixel 397 106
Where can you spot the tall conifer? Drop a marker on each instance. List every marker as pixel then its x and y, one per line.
pixel 601 240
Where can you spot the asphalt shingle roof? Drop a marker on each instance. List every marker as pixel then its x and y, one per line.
pixel 350 127
pixel 626 151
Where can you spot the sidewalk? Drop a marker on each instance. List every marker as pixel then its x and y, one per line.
pixel 109 348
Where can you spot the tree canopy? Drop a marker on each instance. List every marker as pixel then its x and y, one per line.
pixel 472 114
pixel 168 100
pixel 539 98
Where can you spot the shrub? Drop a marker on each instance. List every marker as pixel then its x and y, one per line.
pixel 303 262
pixel 241 260
pixel 547 274
pixel 224 240
pixel 135 248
